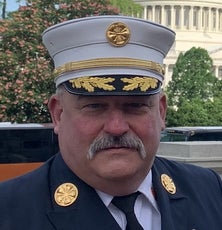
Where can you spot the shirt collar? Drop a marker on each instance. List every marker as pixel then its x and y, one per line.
pixel 145 188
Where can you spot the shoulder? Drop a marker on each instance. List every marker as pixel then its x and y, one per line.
pixel 30 185
pixel 188 174
pixel 186 168
pixel 25 199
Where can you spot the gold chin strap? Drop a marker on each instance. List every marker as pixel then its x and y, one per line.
pixel 109 62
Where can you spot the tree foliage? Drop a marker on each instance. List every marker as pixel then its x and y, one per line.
pixel 192 77
pixel 194 93
pixel 196 113
pixel 26 80
pixel 127 7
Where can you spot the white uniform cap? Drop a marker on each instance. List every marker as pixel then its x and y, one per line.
pixel 109 55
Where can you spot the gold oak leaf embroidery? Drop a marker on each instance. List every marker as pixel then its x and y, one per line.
pixel 90 83
pixel 144 83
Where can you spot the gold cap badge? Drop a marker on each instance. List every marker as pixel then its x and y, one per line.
pixel 118 34
pixel 66 194
pixel 168 184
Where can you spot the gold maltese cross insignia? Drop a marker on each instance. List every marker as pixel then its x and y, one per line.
pixel 168 184
pixel 66 194
pixel 118 34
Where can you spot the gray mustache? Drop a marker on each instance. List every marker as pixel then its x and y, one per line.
pixel 123 141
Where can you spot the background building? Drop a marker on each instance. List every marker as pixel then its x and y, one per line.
pixel 196 23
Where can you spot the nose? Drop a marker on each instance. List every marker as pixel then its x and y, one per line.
pixel 116 123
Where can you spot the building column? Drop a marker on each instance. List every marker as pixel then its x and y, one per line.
pixel 182 17
pixel 162 15
pixel 191 18
pixel 166 77
pixel 172 17
pixel 145 12
pixel 217 71
pixel 201 18
pixel 153 13
pixel 210 27
pixel 217 20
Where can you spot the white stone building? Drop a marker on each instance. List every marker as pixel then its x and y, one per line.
pixel 196 23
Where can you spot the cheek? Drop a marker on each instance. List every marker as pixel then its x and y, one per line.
pixel 149 128
pixel 150 136
pixel 74 141
pixel 80 131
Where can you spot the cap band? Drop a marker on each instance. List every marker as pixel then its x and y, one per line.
pixel 109 62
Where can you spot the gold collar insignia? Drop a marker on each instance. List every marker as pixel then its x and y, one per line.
pixel 168 184
pixel 66 194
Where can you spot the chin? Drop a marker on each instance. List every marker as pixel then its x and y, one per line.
pixel 120 171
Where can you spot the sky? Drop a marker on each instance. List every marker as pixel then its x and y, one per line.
pixel 13 5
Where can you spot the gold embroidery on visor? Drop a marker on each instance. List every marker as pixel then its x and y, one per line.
pixel 90 83
pixel 144 83
pixel 107 83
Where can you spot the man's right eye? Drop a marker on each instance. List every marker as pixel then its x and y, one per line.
pixel 94 106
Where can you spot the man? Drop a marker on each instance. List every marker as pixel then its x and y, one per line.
pixel 108 112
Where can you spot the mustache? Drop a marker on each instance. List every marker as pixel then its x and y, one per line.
pixel 123 141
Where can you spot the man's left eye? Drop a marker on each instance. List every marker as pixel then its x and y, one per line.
pixel 137 105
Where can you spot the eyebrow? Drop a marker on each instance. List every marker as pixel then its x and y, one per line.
pixel 80 97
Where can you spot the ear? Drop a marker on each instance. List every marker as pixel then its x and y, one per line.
pixel 163 109
pixel 55 109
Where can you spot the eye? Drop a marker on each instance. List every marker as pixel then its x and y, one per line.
pixel 136 105
pixel 135 108
pixel 93 106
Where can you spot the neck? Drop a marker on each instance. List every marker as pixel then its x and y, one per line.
pixel 119 187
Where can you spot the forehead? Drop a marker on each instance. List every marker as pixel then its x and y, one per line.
pixel 112 99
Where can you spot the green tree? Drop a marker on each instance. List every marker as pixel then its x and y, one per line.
pixel 192 77
pixel 26 79
pixel 214 111
pixel 128 7
pixel 196 113
pixel 188 114
pixel 193 91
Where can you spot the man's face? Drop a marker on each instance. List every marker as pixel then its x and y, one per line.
pixel 109 141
